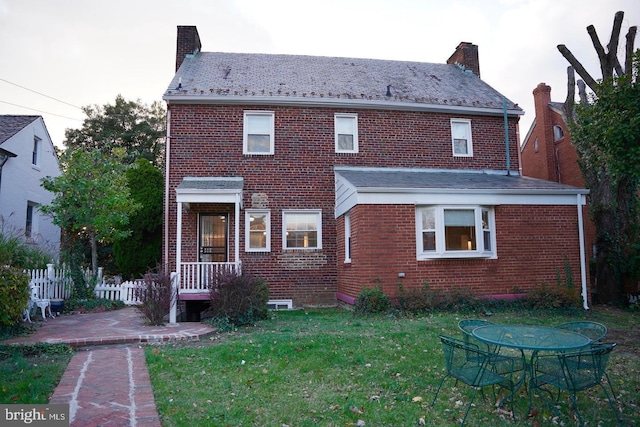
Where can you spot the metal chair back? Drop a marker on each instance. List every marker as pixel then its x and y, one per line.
pixel 594 330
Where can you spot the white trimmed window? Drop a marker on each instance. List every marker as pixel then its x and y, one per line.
pixel 455 232
pixel 258 132
pixel 302 229
pixel 461 137
pixel 347 237
pixel 558 133
pixel 31 223
pixel 35 155
pixel 346 133
pixel 257 235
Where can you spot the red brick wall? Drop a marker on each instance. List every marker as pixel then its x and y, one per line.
pixel 384 244
pixel 206 140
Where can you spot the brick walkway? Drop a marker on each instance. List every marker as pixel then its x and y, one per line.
pixel 106 384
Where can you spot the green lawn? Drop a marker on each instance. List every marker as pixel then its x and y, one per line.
pixel 328 368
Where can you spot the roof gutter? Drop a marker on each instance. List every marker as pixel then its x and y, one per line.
pixel 340 103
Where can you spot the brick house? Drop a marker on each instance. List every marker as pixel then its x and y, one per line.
pixel 546 152
pixel 323 175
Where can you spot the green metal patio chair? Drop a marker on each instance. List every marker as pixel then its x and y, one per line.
pixel 572 372
pixel 469 364
pixel 468 325
pixel 594 330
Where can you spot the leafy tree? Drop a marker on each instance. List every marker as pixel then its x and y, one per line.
pixel 605 129
pixel 142 250
pixel 92 197
pixel 132 125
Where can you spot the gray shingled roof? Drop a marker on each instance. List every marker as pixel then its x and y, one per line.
pixel 438 179
pixel 209 76
pixel 211 183
pixel 11 125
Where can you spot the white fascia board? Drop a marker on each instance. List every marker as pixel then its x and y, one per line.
pixel 338 103
pixel 190 195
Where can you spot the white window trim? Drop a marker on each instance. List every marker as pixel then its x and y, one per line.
pixel 440 251
pixel 347 238
pixel 247 230
pixel 467 122
pixel 37 150
pixel 355 131
pixel 245 130
pixel 316 212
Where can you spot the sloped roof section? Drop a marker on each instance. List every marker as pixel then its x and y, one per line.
pixel 11 125
pixel 216 77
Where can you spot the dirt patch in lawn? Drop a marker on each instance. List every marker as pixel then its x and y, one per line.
pixel 628 336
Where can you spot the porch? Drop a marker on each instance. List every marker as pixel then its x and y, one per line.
pixel 194 278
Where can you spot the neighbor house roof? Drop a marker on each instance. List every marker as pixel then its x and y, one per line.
pixel 208 77
pixel 11 125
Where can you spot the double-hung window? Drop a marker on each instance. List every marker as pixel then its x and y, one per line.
pixel 302 229
pixel 258 132
pixel 347 237
pixel 461 137
pixel 35 155
pixel 455 232
pixel 257 231
pixel 346 132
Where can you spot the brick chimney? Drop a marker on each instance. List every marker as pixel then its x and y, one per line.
pixel 466 54
pixel 188 43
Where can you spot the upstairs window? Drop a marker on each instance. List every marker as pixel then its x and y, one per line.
pixel 258 231
pixel 35 155
pixel 258 132
pixel 461 138
pixel 302 229
pixel 558 133
pixel 346 133
pixel 455 232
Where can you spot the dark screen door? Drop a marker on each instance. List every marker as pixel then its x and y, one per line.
pixel 213 242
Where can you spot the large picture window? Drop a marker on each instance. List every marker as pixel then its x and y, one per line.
pixel 258 132
pixel 302 229
pixel 455 232
pixel 257 231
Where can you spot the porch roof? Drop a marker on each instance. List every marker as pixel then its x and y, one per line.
pixel 209 189
pixel 446 186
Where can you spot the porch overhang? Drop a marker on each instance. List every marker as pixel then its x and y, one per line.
pixel 209 190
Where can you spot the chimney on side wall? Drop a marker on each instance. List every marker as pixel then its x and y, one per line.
pixel 188 43
pixel 466 54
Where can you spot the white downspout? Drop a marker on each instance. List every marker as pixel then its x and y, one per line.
pixel 175 283
pixel 237 232
pixel 167 151
pixel 583 265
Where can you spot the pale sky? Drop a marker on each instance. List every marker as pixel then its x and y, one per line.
pixel 86 52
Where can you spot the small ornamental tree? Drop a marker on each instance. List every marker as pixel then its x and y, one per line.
pixel 14 294
pixel 92 197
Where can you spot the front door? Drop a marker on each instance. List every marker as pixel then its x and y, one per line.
pixel 214 237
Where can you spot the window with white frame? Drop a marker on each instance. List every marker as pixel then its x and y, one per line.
pixel 35 155
pixel 461 137
pixel 257 231
pixel 346 133
pixel 455 232
pixel 347 237
pixel 258 132
pixel 302 229
pixel 31 223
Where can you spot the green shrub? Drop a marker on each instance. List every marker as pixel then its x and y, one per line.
pixel 558 297
pixel 14 295
pixel 91 305
pixel 16 253
pixel 156 296
pixel 371 300
pixel 238 299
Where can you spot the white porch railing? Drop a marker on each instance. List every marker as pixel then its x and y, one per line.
pixel 195 277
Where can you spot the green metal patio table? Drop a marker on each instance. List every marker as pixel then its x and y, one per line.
pixel 530 338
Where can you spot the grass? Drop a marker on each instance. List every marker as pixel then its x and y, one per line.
pixel 328 368
pixel 30 373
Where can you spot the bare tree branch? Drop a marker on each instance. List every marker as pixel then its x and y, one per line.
pixel 582 92
pixel 571 94
pixel 602 55
pixel 628 62
pixel 612 54
pixel 590 81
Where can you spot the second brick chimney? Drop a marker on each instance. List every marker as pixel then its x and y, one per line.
pixel 188 43
pixel 466 54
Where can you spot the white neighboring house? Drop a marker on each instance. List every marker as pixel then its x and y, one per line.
pixel 26 156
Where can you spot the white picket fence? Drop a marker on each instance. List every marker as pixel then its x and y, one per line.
pixel 56 283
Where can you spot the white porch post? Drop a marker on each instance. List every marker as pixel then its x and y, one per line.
pixel 237 230
pixel 583 262
pixel 175 284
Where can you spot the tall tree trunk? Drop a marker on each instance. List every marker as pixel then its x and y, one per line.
pixel 94 253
